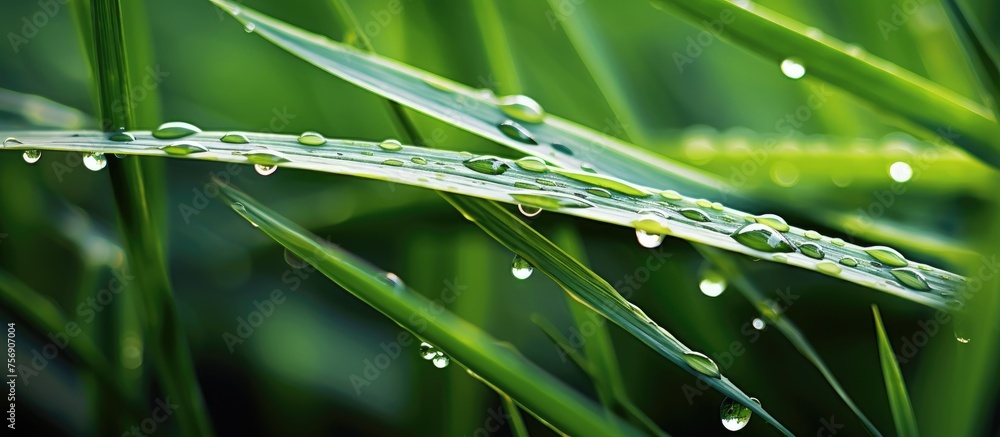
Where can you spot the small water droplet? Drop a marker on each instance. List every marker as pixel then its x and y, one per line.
pixel 182 148
pixel 703 203
pixel 735 415
pixel 265 170
pixel 758 324
pixel 695 214
pixel 529 211
pixel 522 108
pixel 763 238
pixel 701 363
pixel 911 278
pixel 812 235
pixel 486 164
pixel 887 255
pixel 395 281
pixel 549 200
pixel 123 137
pixel 31 156
pixel 671 195
pixel 418 160
pixel 516 132
pixel 175 129
pixel 11 141
pixel 427 351
pixel 792 69
pixel 712 283
pixel 94 161
pixel 829 268
pixel 521 268
pixel 812 250
pixel 562 149
pixel 393 162
pixel 849 261
pixel 533 164
pixel 900 171
pixel 779 224
pixel 837 241
pixel 717 206
pixel 390 145
pixel 587 168
pixel 599 192
pixel 312 139
pixel 249 28
pixel 235 138
pixel 441 360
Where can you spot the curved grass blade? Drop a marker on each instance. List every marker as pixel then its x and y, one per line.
pixel 464 342
pixel 980 50
pixel 556 140
pixel 884 84
pixel 895 387
pixel 732 270
pixel 529 182
pixel 42 112
pixel 594 292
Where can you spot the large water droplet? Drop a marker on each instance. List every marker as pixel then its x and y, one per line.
pixel 181 148
pixel 701 363
pixel 312 139
pixel 11 141
pixel 793 69
pixel 390 145
pixel 887 255
pixel 418 160
pixel 911 278
pixel 393 162
pixel 849 261
pixel 235 138
pixel 671 195
pixel 829 268
pixel 531 163
pixel 529 211
pixel 521 268
pixel 774 221
pixel 175 129
pixel 516 132
pixel 599 192
pixel 265 170
pixel 441 360
pixel 712 283
pixel 735 415
pixel 123 137
pixel 94 161
pixel 486 164
pixel 763 238
pixel 427 351
pixel 695 214
pixel 812 250
pixel 31 156
pixel 522 108
pixel 648 240
pixel 650 228
pixel 812 235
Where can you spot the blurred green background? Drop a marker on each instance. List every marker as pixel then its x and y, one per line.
pixel 609 65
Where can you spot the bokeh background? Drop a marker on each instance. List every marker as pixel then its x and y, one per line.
pixel 610 65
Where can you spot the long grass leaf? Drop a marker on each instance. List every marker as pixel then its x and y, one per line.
pixel 895 387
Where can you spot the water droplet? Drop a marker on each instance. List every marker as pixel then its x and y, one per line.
pixel 521 268
pixel 11 141
pixel 773 221
pixel 837 241
pixel 812 235
pixel 647 239
pixel 175 129
pixel 924 267
pixel 900 171
pixel 441 360
pixel 526 186
pixel 549 200
pixel 587 168
pixel 849 261
pixel 31 156
pixel 235 138
pixel 265 170
pixel 427 351
pixel 712 283
pixel 829 268
pixel 599 192
pixel 546 182
pixel 390 145
pixel 717 206
pixel 395 281
pixel 695 214
pixel 418 160
pixel 887 255
pixel 701 363
pixel 516 132
pixel 242 211
pixel 393 162
pixel 123 137
pixel 703 203
pixel 812 250
pixel 533 164
pixel 529 211
pixel 793 69
pixel 263 157
pixel 735 415
pixel 367 153
pixel 604 182
pixel 249 28
pixel 763 238
pixel 758 324
pixel 523 108
pixel 486 164
pixel 182 148
pixel 294 261
pixel 650 228
pixel 562 149
pixel 94 161
pixel 312 139
pixel 911 278
pixel 671 195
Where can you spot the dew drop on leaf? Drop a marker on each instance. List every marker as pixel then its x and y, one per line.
pixel 735 415
pixel 440 360
pixel 516 132
pixel 31 156
pixel 522 108
pixel 712 283
pixel 486 164
pixel 312 139
pixel 175 129
pixel 390 145
pixel 11 141
pixel 427 351
pixel 529 211
pixel 812 250
pixel 235 138
pixel 94 161
pixel 763 238
pixel 265 170
pixel 701 363
pixel 521 268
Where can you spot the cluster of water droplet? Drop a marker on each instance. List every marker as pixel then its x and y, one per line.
pixel 435 356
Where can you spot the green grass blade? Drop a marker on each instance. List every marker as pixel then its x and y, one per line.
pixel 980 50
pixel 895 387
pixel 582 194
pixel 42 112
pixel 591 290
pixel 516 423
pixel 464 342
pixel 729 266
pixel 884 84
